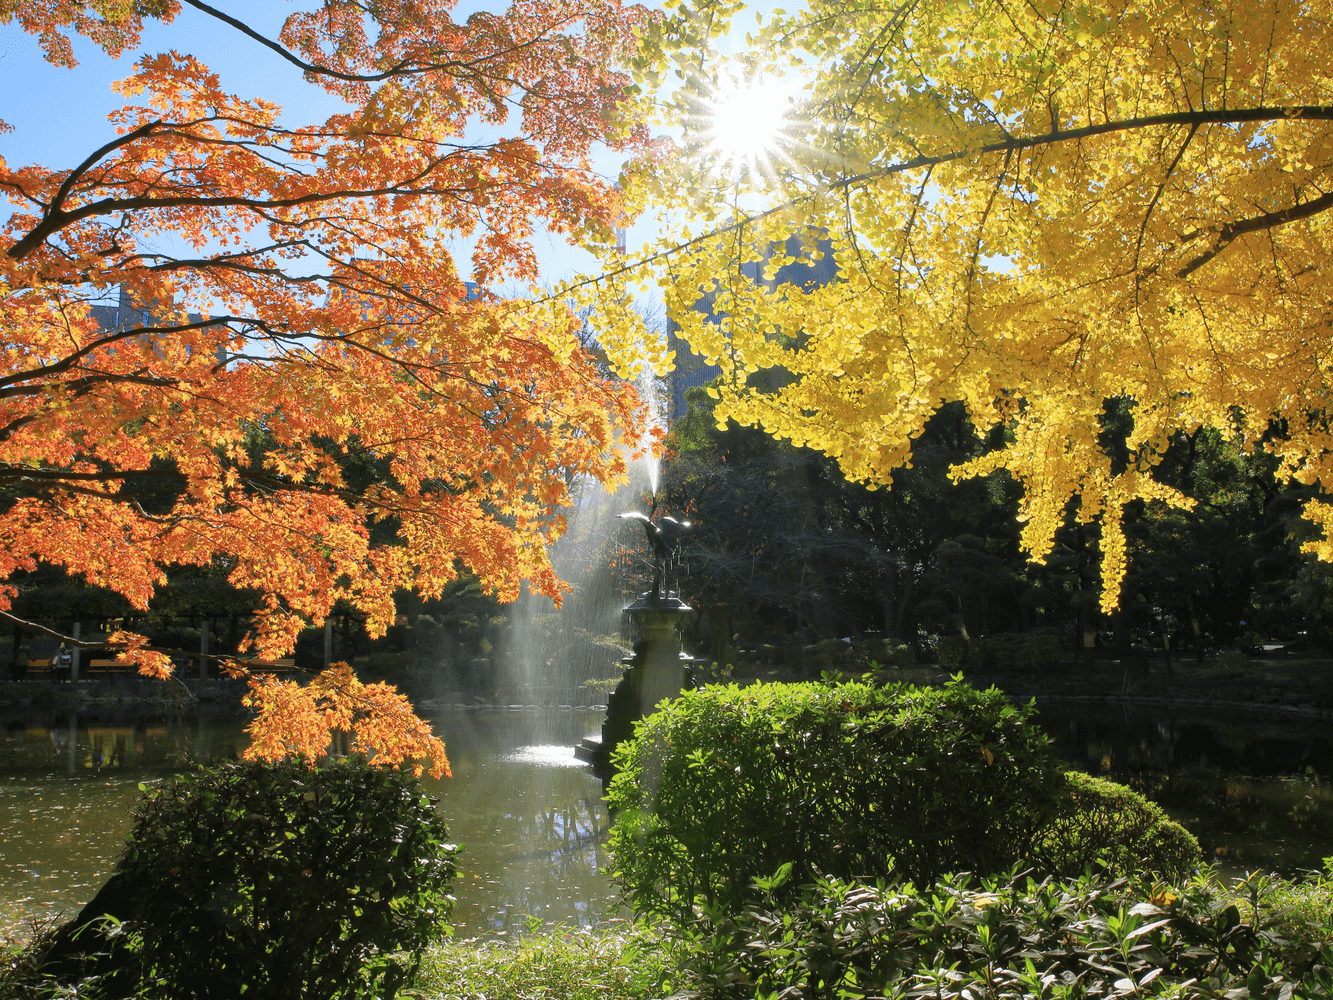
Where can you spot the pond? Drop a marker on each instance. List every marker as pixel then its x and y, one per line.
pixel 529 815
pixel 1258 794
pixel 1256 791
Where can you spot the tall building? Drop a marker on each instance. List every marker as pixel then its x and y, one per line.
pixel 124 315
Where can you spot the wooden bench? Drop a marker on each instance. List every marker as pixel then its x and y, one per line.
pixel 38 669
pixel 106 668
pixel 275 667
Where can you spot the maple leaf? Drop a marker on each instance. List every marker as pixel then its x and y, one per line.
pixel 132 651
pixel 298 721
pixel 195 406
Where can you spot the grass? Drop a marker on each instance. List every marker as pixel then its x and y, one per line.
pixel 552 965
pixel 1297 910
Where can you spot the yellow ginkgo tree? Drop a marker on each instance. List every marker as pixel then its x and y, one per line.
pixel 1034 207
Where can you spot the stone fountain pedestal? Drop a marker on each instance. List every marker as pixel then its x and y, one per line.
pixel 657 670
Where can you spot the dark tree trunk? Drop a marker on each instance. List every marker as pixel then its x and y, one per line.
pixel 78 950
pixel 889 605
pixel 1194 625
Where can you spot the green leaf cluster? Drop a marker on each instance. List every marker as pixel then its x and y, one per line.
pixel 1102 824
pixel 728 783
pixel 964 937
pixel 283 881
pixel 557 963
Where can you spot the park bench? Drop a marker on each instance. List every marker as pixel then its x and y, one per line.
pixel 276 667
pixel 38 670
pixel 107 668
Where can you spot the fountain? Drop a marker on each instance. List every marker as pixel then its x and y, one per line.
pixel 658 669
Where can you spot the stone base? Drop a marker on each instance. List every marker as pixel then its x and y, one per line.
pixel 591 750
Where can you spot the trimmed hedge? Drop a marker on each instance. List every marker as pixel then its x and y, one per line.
pixel 728 783
pixel 280 881
pixel 1101 824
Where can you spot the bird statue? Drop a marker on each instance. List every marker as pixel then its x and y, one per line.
pixel 664 535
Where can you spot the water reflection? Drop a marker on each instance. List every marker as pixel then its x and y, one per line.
pixel 1256 793
pixel 530 817
pixel 1123 738
pixel 68 787
pixel 551 755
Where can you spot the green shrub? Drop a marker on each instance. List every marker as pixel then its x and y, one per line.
pixel 1232 662
pixel 965 938
pixel 279 881
pixel 1300 911
pixel 728 783
pixel 953 652
pixel 883 651
pixel 1102 824
pixel 1034 650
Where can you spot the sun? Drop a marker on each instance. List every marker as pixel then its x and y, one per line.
pixel 745 124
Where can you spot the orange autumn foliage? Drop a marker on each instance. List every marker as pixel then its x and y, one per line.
pixel 296 721
pixel 285 300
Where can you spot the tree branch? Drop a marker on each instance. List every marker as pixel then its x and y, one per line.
pixel 56 219
pixel 69 640
pixel 1266 221
pixel 452 66
pixel 1209 116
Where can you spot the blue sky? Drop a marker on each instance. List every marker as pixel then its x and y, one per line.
pixel 59 116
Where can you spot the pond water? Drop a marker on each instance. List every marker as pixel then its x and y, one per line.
pixel 529 815
pixel 1258 793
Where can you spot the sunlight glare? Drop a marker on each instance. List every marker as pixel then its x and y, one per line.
pixel 746 123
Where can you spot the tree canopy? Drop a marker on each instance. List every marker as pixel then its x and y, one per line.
pixel 1038 209
pixel 217 310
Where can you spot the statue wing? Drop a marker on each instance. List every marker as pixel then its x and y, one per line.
pixel 674 530
pixel 651 530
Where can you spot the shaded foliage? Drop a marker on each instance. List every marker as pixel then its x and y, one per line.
pixel 964 937
pixel 279 881
pixel 786 540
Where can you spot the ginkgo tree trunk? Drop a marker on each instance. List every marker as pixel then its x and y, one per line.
pixel 293 301
pixel 1035 208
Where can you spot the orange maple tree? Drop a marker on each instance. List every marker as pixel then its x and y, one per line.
pixel 286 299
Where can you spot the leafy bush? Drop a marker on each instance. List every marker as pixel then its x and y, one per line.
pixel 963 939
pixel 1034 650
pixel 883 651
pixel 1300 910
pixel 280 881
pixel 953 652
pixel 728 783
pixel 1232 662
pixel 1100 823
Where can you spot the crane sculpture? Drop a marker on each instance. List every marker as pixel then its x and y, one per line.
pixel 664 536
